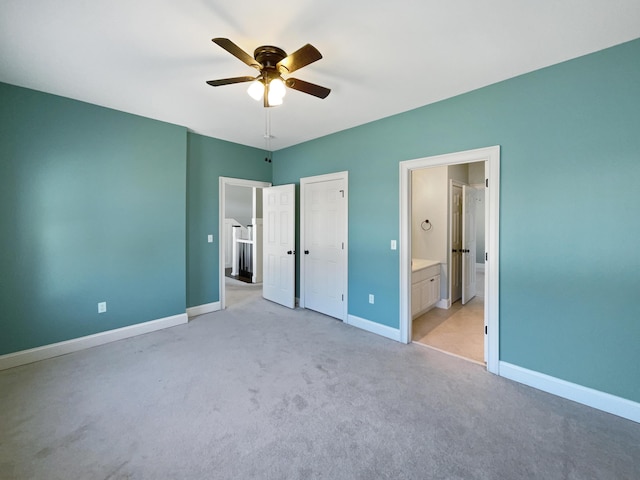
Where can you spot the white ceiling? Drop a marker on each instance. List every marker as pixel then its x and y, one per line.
pixel 152 57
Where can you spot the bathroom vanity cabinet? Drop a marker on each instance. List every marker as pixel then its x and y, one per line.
pixel 425 285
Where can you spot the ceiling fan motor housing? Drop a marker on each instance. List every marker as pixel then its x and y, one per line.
pixel 269 56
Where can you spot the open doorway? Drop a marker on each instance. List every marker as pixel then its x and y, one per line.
pixel 240 238
pixel 447 252
pixel 435 273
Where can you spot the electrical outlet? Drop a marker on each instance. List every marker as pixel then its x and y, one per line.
pixel 210 238
pixel 102 307
pixel 371 298
pixel 394 245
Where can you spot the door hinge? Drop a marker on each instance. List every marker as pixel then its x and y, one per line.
pixel 343 297
pixel 486 182
pixel 342 192
pixel 485 330
pixel 486 256
pixel 343 245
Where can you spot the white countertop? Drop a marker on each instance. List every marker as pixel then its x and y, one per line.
pixel 420 263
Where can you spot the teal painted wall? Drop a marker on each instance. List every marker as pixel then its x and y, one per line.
pixel 209 159
pixel 92 208
pixel 569 267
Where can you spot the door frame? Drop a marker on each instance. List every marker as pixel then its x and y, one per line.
pixel 471 258
pixel 345 265
pixel 222 183
pixel 491 157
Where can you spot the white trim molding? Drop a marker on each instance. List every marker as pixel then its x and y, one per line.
pixel 587 396
pixel 202 309
pixel 491 157
pixel 373 327
pixel 444 303
pixel 23 357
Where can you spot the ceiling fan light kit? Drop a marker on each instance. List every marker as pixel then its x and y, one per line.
pixel 272 62
pixel 256 90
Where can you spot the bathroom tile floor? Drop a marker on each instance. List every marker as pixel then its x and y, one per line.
pixel 458 330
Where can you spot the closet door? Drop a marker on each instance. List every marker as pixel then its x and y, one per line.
pixel 324 244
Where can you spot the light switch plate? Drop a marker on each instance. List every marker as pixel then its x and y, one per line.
pixel 210 238
pixel 102 307
pixel 394 245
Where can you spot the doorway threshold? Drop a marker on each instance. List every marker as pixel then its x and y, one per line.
pixel 482 364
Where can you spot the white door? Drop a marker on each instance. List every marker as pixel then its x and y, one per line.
pixel 456 243
pixel 278 247
pixel 324 246
pixel 468 243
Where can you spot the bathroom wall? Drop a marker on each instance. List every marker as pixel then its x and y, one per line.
pixel 459 173
pixel 476 173
pixel 429 190
pixel 429 201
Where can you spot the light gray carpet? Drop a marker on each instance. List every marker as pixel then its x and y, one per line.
pixel 259 391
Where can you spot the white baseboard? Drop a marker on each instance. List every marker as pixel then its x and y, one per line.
pixel 23 357
pixel 444 303
pixel 587 396
pixel 202 309
pixel 373 327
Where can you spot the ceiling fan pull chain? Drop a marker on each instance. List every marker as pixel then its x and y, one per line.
pixel 267 128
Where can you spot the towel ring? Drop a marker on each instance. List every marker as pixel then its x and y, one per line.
pixel 426 223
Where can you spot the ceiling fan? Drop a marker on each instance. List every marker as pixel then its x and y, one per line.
pixel 272 63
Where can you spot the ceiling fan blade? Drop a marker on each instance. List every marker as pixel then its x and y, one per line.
pixel 300 58
pixel 237 52
pixel 306 87
pixel 229 81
